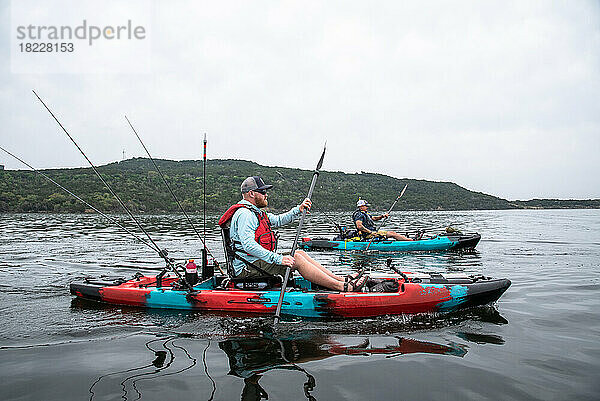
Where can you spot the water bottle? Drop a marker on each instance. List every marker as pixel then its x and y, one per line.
pixel 191 272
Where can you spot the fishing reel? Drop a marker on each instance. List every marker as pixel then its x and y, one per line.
pixel 163 253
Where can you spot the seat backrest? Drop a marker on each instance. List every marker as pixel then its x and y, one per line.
pixel 228 250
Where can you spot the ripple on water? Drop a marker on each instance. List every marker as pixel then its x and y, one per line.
pixel 539 342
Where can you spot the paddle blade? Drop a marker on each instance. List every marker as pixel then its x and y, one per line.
pixel 320 163
pixel 402 193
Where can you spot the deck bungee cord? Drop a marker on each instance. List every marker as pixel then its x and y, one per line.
pixel 163 253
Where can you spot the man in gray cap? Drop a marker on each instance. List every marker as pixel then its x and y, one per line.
pixel 255 243
pixel 365 223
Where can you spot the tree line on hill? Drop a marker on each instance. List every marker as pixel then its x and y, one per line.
pixel 141 188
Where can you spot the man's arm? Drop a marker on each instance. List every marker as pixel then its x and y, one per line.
pixel 278 220
pixel 361 227
pixel 379 217
pixel 247 224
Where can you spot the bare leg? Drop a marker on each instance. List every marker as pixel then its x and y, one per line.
pixel 315 275
pixel 397 236
pixel 302 254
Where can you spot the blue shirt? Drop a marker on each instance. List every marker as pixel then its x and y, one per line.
pixel 243 229
pixel 366 219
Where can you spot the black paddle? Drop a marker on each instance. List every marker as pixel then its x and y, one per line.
pixel 393 204
pixel 295 245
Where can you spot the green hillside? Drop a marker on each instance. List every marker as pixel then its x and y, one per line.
pixel 142 189
pixel 560 204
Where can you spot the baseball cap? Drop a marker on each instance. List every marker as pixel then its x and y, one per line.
pixel 253 183
pixel 362 202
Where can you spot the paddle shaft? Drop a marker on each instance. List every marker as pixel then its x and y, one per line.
pixel 388 212
pixel 397 198
pixel 295 245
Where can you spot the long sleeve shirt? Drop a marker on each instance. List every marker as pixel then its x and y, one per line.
pixel 243 229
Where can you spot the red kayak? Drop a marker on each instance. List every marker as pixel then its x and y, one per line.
pixel 415 293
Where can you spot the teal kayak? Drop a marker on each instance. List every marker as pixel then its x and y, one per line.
pixel 437 243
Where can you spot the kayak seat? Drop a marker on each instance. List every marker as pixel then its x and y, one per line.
pixel 229 252
pixel 264 282
pixel 345 234
pixel 230 256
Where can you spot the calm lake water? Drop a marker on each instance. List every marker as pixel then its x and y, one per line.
pixel 541 341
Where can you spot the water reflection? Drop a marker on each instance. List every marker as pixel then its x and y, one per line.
pixel 482 338
pixel 41 254
pixel 163 357
pixel 250 358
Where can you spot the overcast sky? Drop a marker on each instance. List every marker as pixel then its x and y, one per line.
pixel 498 97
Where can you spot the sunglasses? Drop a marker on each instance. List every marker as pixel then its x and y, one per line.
pixel 261 191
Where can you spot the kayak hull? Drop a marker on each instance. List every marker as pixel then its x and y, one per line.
pixel 437 243
pixel 428 295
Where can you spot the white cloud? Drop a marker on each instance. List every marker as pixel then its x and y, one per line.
pixel 498 97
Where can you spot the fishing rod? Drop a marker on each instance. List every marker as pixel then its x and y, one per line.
pixel 295 245
pixel 447 227
pixel 81 200
pixel 171 191
pixel 161 252
pixel 388 212
pixel 204 193
pixel 331 220
pixel 205 250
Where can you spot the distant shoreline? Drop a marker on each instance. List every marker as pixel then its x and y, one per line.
pixel 214 213
pixel 141 188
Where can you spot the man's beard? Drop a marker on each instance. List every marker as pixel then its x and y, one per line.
pixel 262 202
